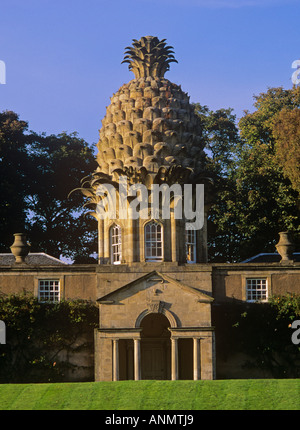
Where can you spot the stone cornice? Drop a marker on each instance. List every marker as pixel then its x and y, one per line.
pixel 149 267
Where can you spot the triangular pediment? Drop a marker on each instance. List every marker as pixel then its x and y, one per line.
pixel 152 280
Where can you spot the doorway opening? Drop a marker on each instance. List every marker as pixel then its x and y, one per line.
pixel 155 347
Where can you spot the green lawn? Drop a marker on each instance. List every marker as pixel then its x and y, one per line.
pixel 280 394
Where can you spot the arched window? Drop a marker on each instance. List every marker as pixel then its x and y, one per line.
pixel 153 241
pixel 190 245
pixel 115 244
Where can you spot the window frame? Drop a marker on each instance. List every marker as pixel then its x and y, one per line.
pixel 258 290
pixel 192 244
pixel 49 281
pixel 117 244
pixel 156 258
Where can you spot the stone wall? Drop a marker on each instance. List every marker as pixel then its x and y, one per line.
pixel 222 282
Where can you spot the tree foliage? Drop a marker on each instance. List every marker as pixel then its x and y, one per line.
pixel 41 336
pixel 221 137
pixel 37 174
pixel 287 306
pixel 13 179
pixel 56 221
pixel 255 199
pixel 261 332
pixel 286 131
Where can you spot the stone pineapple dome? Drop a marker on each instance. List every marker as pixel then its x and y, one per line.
pixel 150 135
pixel 150 122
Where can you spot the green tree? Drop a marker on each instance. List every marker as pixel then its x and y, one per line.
pixel 261 332
pixel 268 197
pixel 37 173
pixel 42 336
pixel 286 131
pixel 256 200
pixel 222 139
pixel 56 222
pixel 13 178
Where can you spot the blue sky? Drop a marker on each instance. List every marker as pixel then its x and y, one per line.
pixel 63 57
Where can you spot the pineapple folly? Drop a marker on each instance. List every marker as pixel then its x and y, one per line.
pixel 149 135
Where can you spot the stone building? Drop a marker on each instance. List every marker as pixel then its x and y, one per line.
pixel 154 286
pixel 154 318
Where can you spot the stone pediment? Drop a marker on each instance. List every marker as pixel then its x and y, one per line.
pixel 155 282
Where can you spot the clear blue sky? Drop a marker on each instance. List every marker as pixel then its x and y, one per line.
pixel 63 57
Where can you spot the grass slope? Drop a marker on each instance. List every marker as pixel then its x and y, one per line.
pixel 248 394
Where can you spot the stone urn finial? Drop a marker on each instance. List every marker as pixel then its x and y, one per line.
pixel 20 247
pixel 285 247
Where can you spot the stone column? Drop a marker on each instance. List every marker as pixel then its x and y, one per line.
pixel 204 238
pixel 173 234
pixel 207 357
pixel 137 359
pixel 196 360
pixel 128 239
pixel 174 359
pixel 100 241
pixel 106 247
pixel 115 359
pixel 201 242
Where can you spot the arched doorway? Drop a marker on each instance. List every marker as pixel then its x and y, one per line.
pixel 155 347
